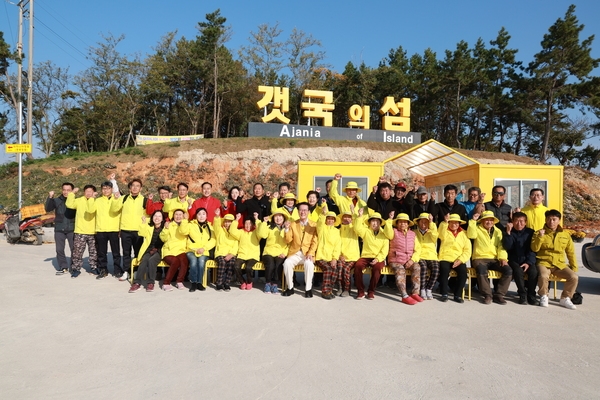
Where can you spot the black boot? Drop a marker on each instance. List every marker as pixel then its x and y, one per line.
pixel 193 287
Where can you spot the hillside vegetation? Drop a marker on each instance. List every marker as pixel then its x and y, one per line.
pixel 242 161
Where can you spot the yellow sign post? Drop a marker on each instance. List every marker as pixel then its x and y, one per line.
pixel 18 148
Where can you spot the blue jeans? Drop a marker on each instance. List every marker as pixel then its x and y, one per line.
pixel 196 267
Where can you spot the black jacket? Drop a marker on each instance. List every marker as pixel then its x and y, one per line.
pixel 444 208
pixel 502 213
pixel 383 207
pixel 64 218
pixel 261 206
pixel 518 246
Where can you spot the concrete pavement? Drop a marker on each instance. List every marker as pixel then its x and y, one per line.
pixel 63 338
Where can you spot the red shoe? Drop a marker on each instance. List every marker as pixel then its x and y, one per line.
pixel 243 286
pixel 135 287
pixel 360 296
pixel 248 286
pixel 417 297
pixel 370 296
pixel 150 287
pixel 409 300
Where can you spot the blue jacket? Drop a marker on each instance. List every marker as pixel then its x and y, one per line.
pixel 518 246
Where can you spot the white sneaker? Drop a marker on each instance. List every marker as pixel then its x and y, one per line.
pixel 124 277
pixel 429 294
pixel 544 301
pixel 423 293
pixel 567 303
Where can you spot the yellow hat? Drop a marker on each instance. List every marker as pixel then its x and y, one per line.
pixel 281 212
pixel 403 217
pixel 456 218
pixel 338 219
pixel 288 196
pixel 229 217
pixel 375 216
pixel 488 214
pixel 353 186
pixel 421 216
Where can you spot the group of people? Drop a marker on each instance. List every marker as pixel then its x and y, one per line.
pixel 403 228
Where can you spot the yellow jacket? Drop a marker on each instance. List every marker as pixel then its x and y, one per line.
pixel 131 210
pixel 315 214
pixel 227 241
pixel 374 246
pixel 329 241
pixel 85 218
pixel 302 238
pixel 249 243
pixel 276 244
pixel 171 205
pixel 452 247
pixel 486 247
pixel 350 248
pixel 343 202
pixel 146 231
pixel 428 242
pixel 554 248
pixel 536 216
pixel 197 239
pixel 275 208
pixel 107 220
pixel 174 239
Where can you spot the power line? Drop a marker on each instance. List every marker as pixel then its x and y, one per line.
pixel 62 24
pixel 57 45
pixel 60 37
pixel 12 38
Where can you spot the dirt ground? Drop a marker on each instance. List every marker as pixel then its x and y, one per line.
pixel 64 338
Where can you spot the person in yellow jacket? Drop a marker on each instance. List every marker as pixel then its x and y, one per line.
pixel 351 197
pixel 174 249
pixel 226 248
pixel 107 230
pixel 132 208
pixel 350 252
pixel 552 244
pixel 301 236
pixel 427 236
pixel 376 246
pixel 329 248
pixel 85 229
pixel 201 240
pixel 489 253
pixel 276 249
pixel 288 205
pixel 315 205
pixel 181 202
pixel 455 251
pixel 404 253
pixel 248 250
pixel 535 210
pixel 150 252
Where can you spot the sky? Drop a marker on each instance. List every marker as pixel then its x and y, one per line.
pixel 352 30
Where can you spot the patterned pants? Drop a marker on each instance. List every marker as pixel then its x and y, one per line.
pixel 400 272
pixel 224 270
pixel 79 242
pixel 344 274
pixel 330 274
pixel 434 266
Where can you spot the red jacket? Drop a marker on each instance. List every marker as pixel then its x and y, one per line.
pixel 209 203
pixel 232 209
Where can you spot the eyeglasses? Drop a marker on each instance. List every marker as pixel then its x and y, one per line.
pixel 498 193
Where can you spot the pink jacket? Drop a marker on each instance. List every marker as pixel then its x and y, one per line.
pixel 404 248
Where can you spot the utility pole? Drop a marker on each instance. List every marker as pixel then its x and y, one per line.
pixel 22 11
pixel 30 78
